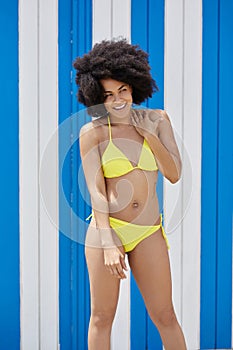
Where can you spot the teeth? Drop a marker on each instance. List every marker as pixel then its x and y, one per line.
pixel 119 107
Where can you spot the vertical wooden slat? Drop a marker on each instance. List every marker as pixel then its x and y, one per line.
pixel 102 20
pixel 209 173
pixel 139 35
pixel 64 109
pixel 81 43
pixel 173 104
pixel 156 57
pixel 192 141
pixel 29 159
pixel 9 178
pixel 76 40
pixel 48 122
pixel 225 172
pixel 121 19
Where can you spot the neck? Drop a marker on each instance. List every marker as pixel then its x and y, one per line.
pixel 120 120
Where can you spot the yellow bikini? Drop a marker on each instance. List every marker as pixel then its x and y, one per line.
pixel 131 234
pixel 115 164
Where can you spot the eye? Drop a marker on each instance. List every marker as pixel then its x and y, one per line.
pixel 107 95
pixel 123 90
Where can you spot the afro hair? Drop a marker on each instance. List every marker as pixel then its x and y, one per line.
pixel 118 60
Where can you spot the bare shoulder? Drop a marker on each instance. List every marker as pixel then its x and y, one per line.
pixel 92 129
pixel 162 114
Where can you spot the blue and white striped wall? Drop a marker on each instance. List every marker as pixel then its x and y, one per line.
pixel 44 294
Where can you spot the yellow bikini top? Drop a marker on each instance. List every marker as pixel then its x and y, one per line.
pixel 115 163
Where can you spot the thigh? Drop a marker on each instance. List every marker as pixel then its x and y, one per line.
pixel 149 262
pixel 104 287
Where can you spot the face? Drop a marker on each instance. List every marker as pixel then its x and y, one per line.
pixel 118 97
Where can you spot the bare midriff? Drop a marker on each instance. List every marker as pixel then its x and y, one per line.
pixel 132 197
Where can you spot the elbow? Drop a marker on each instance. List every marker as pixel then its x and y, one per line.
pixel 175 177
pixel 176 174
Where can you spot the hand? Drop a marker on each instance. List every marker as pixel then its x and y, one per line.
pixel 114 261
pixel 145 121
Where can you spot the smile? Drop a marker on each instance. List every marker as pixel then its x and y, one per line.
pixel 118 108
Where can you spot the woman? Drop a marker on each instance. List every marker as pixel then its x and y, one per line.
pixel 122 151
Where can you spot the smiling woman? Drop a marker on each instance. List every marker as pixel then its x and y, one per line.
pixel 122 151
pixel 117 96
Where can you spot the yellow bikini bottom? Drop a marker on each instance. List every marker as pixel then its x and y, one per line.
pixel 132 234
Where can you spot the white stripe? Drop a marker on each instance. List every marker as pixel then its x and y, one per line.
pixel 111 18
pixel 37 121
pixel 183 87
pixel 29 196
pixel 102 20
pixel 48 121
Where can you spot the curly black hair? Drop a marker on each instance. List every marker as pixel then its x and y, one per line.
pixel 118 60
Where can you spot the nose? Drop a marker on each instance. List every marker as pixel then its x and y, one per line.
pixel 117 98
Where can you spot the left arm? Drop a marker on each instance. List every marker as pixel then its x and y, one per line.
pixel 155 127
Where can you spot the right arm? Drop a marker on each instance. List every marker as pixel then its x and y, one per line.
pixel 114 259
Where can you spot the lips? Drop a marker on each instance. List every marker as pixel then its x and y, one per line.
pixel 120 107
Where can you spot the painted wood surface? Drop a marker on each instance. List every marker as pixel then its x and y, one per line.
pixel 9 178
pixel 216 262
pixel 38 122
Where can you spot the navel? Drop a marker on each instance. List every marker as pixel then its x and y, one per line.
pixel 135 204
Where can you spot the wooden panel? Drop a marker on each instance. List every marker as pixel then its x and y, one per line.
pixel 75 38
pixel 173 104
pixel 192 141
pixel 121 13
pixel 182 201
pixel 64 110
pixel 155 19
pixel 102 20
pixel 9 178
pixel 225 172
pixel 29 160
pixel 209 167
pixel 48 224
pixel 139 318
pixel 38 121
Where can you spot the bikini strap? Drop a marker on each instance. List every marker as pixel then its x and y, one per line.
pixel 109 129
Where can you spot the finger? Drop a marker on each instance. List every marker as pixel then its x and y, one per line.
pixel 123 263
pixel 113 270
pixel 136 118
pixel 140 115
pixel 120 271
pixel 133 117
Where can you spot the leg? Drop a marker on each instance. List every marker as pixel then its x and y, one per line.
pixel 104 297
pixel 149 262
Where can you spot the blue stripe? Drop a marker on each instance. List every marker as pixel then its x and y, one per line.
pixel 147 30
pixel 64 60
pixel 138 315
pixel 75 28
pixel 156 56
pixel 216 241
pixel 9 178
pixel 210 85
pixel 225 190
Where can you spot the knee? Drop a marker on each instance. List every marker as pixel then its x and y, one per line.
pixel 165 318
pixel 102 319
